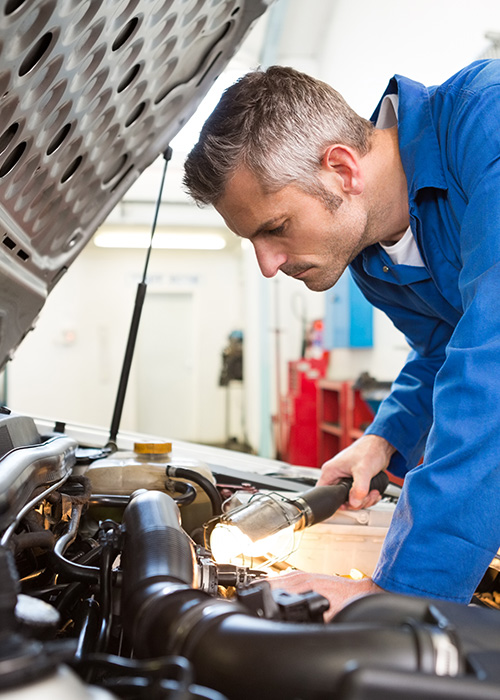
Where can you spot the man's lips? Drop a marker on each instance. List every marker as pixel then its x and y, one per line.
pixel 296 273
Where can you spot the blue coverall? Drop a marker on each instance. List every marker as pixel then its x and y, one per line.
pixel 446 400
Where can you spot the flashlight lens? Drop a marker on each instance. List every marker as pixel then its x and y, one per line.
pixel 231 546
pixel 227 543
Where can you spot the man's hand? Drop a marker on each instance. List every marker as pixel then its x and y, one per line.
pixel 338 590
pixel 362 460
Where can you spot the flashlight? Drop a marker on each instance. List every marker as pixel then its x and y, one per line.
pixel 266 526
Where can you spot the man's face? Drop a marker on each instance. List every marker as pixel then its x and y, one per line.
pixel 294 231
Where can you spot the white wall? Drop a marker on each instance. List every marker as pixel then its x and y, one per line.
pixel 68 368
pixel 276 310
pixel 429 40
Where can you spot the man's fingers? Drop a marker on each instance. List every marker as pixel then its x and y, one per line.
pixel 336 589
pixel 361 499
pixel 323 480
pixel 360 490
pixel 372 498
pixel 294 581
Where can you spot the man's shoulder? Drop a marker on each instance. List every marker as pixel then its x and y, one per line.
pixel 476 76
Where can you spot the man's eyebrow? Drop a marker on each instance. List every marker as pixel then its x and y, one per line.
pixel 267 225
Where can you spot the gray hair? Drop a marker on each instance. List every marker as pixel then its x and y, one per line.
pixel 278 123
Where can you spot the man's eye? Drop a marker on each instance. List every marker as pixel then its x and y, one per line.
pixel 278 229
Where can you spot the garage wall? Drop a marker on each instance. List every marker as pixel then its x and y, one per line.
pixel 69 367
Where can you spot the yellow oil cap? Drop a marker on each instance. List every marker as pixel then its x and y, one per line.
pixel 152 448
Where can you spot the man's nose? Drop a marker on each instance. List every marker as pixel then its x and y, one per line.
pixel 268 259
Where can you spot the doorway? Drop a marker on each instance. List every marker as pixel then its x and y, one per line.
pixel 166 366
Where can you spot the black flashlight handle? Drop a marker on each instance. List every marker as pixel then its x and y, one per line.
pixel 324 501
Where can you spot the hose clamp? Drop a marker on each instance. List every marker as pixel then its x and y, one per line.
pixel 446 654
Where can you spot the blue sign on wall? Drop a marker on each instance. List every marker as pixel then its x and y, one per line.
pixel 348 316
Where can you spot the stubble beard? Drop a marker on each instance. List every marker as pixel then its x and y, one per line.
pixel 329 275
pixel 326 281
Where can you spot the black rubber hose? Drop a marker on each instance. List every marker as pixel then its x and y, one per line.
pixel 105 591
pixel 164 614
pixel 187 491
pixel 76 589
pixel 109 500
pixel 156 550
pixel 155 543
pixel 29 540
pixel 89 627
pixel 295 660
pixel 204 483
pixel 69 569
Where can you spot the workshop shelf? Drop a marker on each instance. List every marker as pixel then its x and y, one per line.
pixel 343 416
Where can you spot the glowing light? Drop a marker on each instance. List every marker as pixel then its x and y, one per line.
pixel 356 574
pixel 231 546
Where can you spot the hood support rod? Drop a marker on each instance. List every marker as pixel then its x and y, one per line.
pixel 136 317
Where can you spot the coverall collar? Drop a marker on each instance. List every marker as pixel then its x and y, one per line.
pixel 418 142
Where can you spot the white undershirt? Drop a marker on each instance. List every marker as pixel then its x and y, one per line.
pixel 404 251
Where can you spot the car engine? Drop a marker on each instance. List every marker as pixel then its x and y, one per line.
pixel 113 595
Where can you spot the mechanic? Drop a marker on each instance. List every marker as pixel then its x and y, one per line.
pixel 411 202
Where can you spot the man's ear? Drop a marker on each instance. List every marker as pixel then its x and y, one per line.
pixel 344 162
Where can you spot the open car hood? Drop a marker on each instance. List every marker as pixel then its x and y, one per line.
pixel 92 92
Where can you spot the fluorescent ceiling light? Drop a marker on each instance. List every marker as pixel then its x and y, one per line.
pixel 166 241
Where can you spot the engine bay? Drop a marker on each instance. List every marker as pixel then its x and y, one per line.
pixel 110 591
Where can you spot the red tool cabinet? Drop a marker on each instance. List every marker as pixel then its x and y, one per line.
pixel 318 417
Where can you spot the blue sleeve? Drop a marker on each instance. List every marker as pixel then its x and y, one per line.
pixel 405 417
pixel 444 532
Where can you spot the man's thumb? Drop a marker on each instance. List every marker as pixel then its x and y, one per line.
pixel 358 493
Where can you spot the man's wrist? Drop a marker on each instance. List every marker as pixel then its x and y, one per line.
pixel 367 586
pixel 380 444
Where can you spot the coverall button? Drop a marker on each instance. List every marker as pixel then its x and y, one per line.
pixel 385 268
